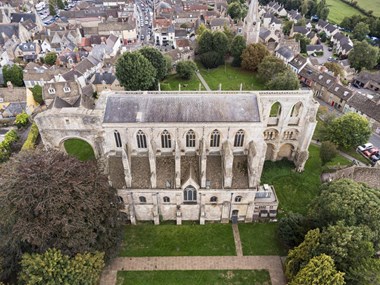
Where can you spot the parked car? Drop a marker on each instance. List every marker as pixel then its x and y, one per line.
pixel 364 147
pixel 375 157
pixel 369 152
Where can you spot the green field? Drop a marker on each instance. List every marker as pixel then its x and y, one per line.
pixel 172 240
pixel 79 148
pixel 230 78
pixel 194 277
pixel 172 82
pixel 260 239
pixel 339 10
pixel 370 5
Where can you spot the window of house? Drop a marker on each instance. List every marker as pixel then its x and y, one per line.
pixel 142 199
pixel 166 199
pixel 190 194
pixel 213 199
pixel 239 139
pixel 66 89
pixel 190 139
pixel 141 139
pixel 166 140
pixel 215 138
pixel 51 90
pixel 117 138
pixel 238 199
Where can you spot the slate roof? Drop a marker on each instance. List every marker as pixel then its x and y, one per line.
pixel 264 33
pixel 7 31
pixel 300 30
pixel 218 22
pixel 20 17
pixel 285 52
pixel 366 106
pixel 155 108
pixel 16 94
pixel 107 77
pixel 13 109
pixel 27 47
pixel 325 79
pixel 298 61
pixel 317 48
pixel 366 76
pixel 330 28
pixel 341 91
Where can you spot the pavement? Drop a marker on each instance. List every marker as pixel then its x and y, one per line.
pixel 203 81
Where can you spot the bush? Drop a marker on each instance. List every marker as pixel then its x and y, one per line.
pixel 37 93
pixel 22 119
pixel 186 69
pixel 31 139
pixel 328 151
pixel 6 145
pixel 292 229
pixel 211 59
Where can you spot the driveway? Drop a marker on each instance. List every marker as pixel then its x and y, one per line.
pixel 326 54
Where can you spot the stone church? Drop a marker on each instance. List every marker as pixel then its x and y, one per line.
pixel 190 155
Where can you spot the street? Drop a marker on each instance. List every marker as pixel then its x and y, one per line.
pixel 375 140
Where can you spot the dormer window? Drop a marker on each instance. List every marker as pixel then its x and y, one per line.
pixel 51 90
pixel 66 89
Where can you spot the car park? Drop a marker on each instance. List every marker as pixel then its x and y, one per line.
pixel 364 147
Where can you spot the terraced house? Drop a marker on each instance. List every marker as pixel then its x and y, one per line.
pixel 190 155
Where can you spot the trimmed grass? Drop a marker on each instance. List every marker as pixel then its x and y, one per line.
pixel 294 190
pixel 339 10
pixel 357 156
pixel 260 239
pixel 171 83
pixel 370 5
pixel 194 277
pixel 172 240
pixel 79 148
pixel 230 77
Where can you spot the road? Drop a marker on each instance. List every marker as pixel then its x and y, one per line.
pixel 375 140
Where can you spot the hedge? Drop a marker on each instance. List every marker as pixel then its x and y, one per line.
pixel 5 146
pixel 31 139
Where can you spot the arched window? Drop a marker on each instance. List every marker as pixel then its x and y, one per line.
pixel 239 138
pixel 296 110
pixel 213 199
pixel 141 139
pixel 215 138
pixel 120 200
pixel 142 199
pixel 275 110
pixel 238 199
pixel 166 140
pixel 166 199
pixel 190 139
pixel 190 194
pixel 117 138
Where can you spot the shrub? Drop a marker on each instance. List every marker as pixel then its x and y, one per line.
pixel 31 139
pixel 37 93
pixel 22 119
pixel 6 144
pixel 186 69
pixel 211 59
pixel 328 151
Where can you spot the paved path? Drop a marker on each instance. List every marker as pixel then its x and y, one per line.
pixel 271 263
pixel 239 248
pixel 203 81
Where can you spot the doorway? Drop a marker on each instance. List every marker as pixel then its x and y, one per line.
pixel 234 217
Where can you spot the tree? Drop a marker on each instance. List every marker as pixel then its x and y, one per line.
pixel 211 59
pixel 328 151
pixel 52 265
pixel 324 13
pixel 22 119
pixel 346 200
pixel 253 55
pixel 50 58
pixel 13 74
pixel 169 63
pixel 220 43
pixel 336 68
pixel 52 5
pixel 286 80
pixel 37 93
pixel 292 229
pixel 363 55
pixel 287 27
pixel 156 58
pixel 349 130
pixel 205 42
pixel 237 46
pixel 270 67
pixel 320 270
pixel 51 200
pixel 60 4
pixel 201 29
pixel 300 255
pixel 186 69
pixel 366 273
pixel 135 72
pixel 304 41
pixel 360 31
pixel 237 10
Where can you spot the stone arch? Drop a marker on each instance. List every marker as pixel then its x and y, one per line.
pixel 290 134
pixel 286 151
pixel 297 109
pixel 90 143
pixel 271 134
pixel 275 110
pixel 210 136
pixel 138 138
pixel 269 152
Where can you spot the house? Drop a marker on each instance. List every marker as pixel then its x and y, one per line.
pixel 330 30
pixel 368 80
pixel 307 75
pixel 105 80
pixel 218 24
pixel 267 36
pixel 337 96
pixel 271 22
pixel 312 36
pixel 12 101
pixel 28 51
pixel 299 30
pixel 294 15
pixel 124 30
pixel 35 74
pixel 69 92
pixel 164 36
pixel 298 63
pixel 285 53
pixel 321 25
pixel 314 49
pixel 277 9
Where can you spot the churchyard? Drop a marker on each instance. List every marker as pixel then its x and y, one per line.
pixel 172 82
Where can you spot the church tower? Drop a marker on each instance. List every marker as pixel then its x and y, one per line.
pixel 251 26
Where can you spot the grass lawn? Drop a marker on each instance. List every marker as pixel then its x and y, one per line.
pixel 339 10
pixel 370 5
pixel 171 83
pixel 192 277
pixel 230 77
pixel 172 240
pixel 79 148
pixel 352 152
pixel 260 239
